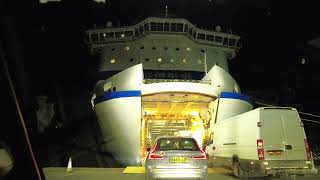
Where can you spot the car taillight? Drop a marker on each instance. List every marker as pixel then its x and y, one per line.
pixel 307 149
pixel 153 156
pixel 260 149
pixel 202 156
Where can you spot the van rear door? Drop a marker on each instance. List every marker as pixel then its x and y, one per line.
pixel 294 135
pixel 282 134
pixel 272 135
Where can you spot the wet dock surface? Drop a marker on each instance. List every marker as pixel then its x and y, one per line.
pixel 136 173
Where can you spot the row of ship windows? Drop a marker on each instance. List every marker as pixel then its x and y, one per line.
pixel 127 48
pixel 160 27
pixel 159 60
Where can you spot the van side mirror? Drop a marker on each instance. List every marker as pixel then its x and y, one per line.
pixel 148 149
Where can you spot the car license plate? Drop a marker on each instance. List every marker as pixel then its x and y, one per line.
pixel 178 160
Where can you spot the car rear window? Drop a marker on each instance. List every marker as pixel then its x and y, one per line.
pixel 165 144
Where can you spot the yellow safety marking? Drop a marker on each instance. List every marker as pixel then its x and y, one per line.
pixel 134 170
pixel 218 170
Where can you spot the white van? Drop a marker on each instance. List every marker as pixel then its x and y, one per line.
pixel 264 141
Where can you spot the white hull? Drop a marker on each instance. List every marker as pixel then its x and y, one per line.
pixel 121 110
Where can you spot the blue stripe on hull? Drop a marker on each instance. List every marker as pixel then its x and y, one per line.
pixel 117 94
pixel 231 95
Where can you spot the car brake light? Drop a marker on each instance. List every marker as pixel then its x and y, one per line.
pixel 260 149
pixel 307 149
pixel 153 156
pixel 202 156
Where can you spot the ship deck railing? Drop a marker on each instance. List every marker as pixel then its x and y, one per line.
pixel 150 81
pixel 161 25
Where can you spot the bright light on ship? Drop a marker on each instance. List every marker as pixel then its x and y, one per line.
pixel 112 61
pixel 171 60
pixel 122 35
pixel 184 60
pixel 188 49
pixel 194 113
pixel 127 48
pixel 159 60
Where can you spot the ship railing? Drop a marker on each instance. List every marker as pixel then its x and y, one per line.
pixel 160 25
pixel 150 81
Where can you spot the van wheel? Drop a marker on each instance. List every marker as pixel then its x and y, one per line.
pixel 238 171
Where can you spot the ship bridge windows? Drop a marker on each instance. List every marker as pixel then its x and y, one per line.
pixel 201 36
pixel 94 37
pixel 141 30
pixel 232 42
pixel 118 34
pixel 174 27
pixel 190 32
pixel 110 35
pixel 185 28
pixel 136 32
pixel 128 33
pixel 225 41
pixel 102 36
pixel 154 26
pixel 194 34
pixel 166 26
pixel 159 26
pixel 179 27
pixel 218 39
pixel 210 37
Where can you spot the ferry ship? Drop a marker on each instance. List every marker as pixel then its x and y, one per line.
pixel 162 76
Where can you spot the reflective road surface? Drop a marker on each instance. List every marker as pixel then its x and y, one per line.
pixel 135 173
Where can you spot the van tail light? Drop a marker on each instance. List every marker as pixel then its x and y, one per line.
pixel 203 155
pixel 307 149
pixel 153 156
pixel 260 149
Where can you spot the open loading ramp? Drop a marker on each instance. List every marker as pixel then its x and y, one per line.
pixel 174 113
